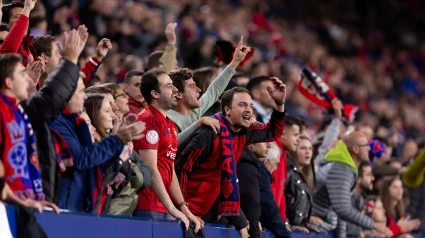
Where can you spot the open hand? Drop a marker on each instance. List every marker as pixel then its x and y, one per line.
pixel 170 33
pixel 75 40
pixel 278 91
pixel 211 122
pixel 36 69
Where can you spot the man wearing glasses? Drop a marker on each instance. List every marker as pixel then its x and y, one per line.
pixel 335 182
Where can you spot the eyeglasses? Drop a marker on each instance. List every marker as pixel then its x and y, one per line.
pixel 124 94
pixel 363 145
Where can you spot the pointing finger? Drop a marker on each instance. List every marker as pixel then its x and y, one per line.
pixel 240 42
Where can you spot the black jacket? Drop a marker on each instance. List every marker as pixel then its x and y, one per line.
pixel 249 190
pixel 298 197
pixel 44 106
pixel 270 218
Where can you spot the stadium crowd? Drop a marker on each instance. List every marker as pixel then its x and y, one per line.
pixel 265 115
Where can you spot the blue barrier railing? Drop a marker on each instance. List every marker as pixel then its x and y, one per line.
pixel 89 225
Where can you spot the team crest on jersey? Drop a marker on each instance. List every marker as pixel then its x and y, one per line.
pixel 152 137
pixel 17 158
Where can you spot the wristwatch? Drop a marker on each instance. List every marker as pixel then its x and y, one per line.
pixel 184 203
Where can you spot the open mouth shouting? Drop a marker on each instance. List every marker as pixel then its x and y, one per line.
pixel 247 117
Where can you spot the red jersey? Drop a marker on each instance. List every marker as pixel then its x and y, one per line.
pixel 161 135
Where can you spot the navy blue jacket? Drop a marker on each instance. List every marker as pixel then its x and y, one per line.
pixel 77 185
pixel 270 218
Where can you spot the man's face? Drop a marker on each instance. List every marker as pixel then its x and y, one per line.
pixel 167 92
pixel 366 181
pixel 133 90
pixel 290 137
pixel 363 149
pixel 53 60
pixel 14 15
pixel 20 82
pixel 76 104
pixel 261 150
pixel 240 112
pixel 262 96
pixel 191 94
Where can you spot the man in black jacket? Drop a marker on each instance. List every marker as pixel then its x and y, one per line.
pixel 49 102
pixel 270 217
pixel 249 184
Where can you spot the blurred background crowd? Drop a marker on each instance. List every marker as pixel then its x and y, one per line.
pixel 370 53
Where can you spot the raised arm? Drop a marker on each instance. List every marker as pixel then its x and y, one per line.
pixel 220 83
pixel 274 129
pixel 331 133
pixel 91 66
pixel 169 57
pixel 60 86
pixel 13 40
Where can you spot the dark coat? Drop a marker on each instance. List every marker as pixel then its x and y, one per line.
pixel 270 218
pixel 44 106
pixel 249 190
pixel 298 197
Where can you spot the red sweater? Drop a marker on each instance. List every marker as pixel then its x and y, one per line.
pixel 392 225
pixel 199 165
pixel 88 69
pixel 13 40
pixel 278 183
pixel 17 42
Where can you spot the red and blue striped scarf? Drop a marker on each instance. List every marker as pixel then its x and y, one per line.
pixel 229 202
pixel 20 160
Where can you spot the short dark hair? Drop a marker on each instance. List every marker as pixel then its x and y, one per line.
pixel 362 166
pixel 34 21
pixel 291 120
pixel 8 64
pixel 130 74
pixel 4 27
pixel 43 44
pixel 150 82
pixel 99 90
pixel 153 59
pixel 227 98
pixel 255 82
pixel 7 10
pixel 179 77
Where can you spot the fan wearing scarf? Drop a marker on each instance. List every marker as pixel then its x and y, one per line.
pixel 77 188
pixel 207 166
pixel 17 141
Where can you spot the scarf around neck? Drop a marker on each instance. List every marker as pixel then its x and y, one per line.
pixel 21 155
pixel 229 203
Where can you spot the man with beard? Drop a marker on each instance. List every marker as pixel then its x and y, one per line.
pixel 364 185
pixel 190 105
pixel 335 181
pixel 158 150
pixel 207 166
